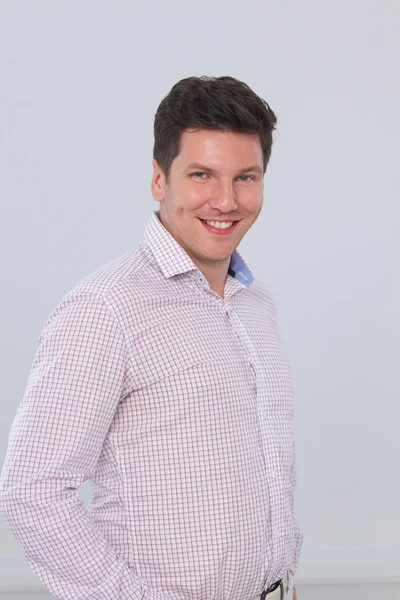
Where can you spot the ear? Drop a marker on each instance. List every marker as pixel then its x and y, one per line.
pixel 157 182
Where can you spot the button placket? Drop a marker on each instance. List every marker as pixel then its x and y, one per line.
pixel 270 458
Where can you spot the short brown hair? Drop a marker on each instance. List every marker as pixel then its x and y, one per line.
pixel 223 103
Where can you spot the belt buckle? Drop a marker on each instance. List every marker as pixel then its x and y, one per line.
pixel 283 586
pixel 272 588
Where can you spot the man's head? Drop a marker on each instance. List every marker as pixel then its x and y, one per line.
pixel 213 139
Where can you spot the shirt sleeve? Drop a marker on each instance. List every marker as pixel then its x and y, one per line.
pixel 298 535
pixel 73 389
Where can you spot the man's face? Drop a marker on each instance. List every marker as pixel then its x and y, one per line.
pixel 226 184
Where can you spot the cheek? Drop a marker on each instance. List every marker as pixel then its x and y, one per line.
pixel 251 201
pixel 194 196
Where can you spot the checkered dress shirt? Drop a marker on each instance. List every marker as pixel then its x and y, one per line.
pixel 177 405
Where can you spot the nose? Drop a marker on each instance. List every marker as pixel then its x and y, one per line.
pixel 224 198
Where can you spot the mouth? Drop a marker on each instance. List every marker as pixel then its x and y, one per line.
pixel 219 227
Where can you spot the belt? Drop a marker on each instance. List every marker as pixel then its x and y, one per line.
pixel 276 591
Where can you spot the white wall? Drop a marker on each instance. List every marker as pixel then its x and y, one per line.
pixel 80 83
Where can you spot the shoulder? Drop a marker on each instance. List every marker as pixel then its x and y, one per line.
pixel 261 293
pixel 106 289
pixel 106 279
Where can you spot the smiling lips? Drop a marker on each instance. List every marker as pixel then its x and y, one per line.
pixel 219 227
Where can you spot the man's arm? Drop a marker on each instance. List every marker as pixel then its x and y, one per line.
pixel 73 390
pixel 298 535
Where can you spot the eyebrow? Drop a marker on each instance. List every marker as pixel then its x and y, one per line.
pixel 201 167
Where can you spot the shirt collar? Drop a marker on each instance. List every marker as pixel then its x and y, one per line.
pixel 173 259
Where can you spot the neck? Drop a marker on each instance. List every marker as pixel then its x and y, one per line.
pixel 216 274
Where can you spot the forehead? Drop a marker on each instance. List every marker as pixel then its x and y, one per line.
pixel 219 147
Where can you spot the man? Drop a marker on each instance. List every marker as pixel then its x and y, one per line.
pixel 162 379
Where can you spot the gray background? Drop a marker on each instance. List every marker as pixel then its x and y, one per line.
pixel 80 84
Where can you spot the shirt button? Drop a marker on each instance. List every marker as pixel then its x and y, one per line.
pixel 273 474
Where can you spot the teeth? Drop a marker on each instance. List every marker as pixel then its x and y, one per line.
pixel 219 225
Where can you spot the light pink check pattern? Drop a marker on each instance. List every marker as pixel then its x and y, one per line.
pixel 177 404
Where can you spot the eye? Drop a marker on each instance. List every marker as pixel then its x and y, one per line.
pixel 250 176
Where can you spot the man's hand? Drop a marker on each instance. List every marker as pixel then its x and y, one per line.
pixel 294 594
